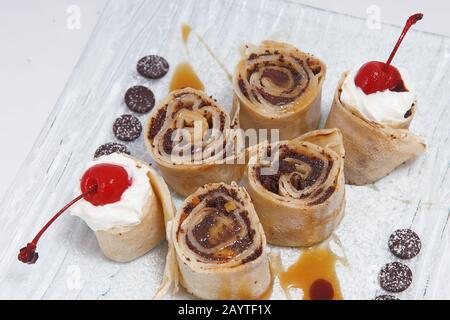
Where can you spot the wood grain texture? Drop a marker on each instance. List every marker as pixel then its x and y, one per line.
pixel 71 266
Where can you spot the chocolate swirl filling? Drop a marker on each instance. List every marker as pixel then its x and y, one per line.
pixel 216 227
pixel 203 125
pixel 276 78
pixel 301 175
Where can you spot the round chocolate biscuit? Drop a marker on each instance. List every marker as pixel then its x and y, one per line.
pixel 139 99
pixel 404 243
pixel 127 127
pixel 109 148
pixel 152 67
pixel 395 277
pixel 386 297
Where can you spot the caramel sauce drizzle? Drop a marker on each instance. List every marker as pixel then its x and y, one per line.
pixel 184 76
pixel 186 30
pixel 314 272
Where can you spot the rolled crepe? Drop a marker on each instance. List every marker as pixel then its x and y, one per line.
pixel 279 87
pixel 189 138
pixel 219 247
pixel 372 149
pixel 124 244
pixel 298 187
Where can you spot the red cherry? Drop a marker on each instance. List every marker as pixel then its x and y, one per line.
pixel 101 184
pixel 377 76
pixel 321 289
pixel 111 181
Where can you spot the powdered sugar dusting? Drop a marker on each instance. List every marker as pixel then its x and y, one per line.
pixel 395 277
pixel 404 243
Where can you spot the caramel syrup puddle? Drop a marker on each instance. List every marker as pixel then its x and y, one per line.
pixel 184 76
pixel 186 30
pixel 313 272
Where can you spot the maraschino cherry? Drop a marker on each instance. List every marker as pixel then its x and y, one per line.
pixel 110 181
pixel 377 76
pixel 101 184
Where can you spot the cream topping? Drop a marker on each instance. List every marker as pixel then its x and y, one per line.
pixel 382 106
pixel 128 211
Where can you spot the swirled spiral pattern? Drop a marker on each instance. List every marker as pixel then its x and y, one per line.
pixel 201 121
pixel 276 81
pixel 188 136
pixel 305 174
pixel 300 199
pixel 220 244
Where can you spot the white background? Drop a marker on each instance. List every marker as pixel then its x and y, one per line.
pixel 39 52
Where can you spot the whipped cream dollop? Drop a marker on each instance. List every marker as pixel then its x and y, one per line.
pixel 382 106
pixel 128 211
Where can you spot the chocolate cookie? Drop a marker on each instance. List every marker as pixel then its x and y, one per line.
pixel 127 127
pixel 109 148
pixel 404 243
pixel 386 297
pixel 395 277
pixel 152 66
pixel 139 99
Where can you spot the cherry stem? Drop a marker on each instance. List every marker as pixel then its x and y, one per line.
pixel 31 247
pixel 411 20
pixel 67 206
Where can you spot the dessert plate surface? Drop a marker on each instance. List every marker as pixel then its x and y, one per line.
pixel 71 266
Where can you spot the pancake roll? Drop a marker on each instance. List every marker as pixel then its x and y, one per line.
pixel 279 87
pixel 373 149
pixel 190 138
pixel 298 187
pixel 130 227
pixel 218 247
